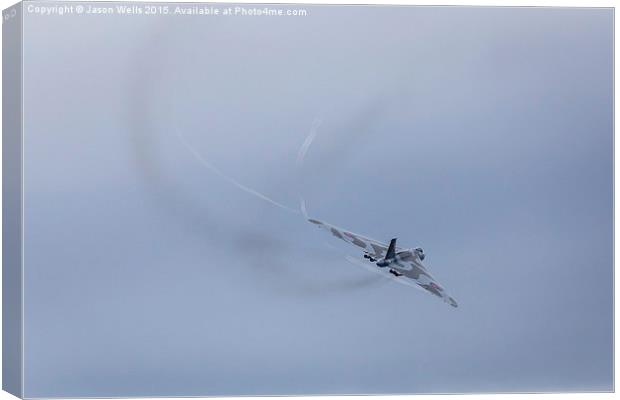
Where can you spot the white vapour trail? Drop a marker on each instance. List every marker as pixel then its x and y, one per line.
pixel 231 180
pixel 301 156
pixel 302 203
pixel 300 161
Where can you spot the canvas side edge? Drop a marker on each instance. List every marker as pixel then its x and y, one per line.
pixel 12 194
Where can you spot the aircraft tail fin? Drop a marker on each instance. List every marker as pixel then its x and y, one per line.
pixel 391 252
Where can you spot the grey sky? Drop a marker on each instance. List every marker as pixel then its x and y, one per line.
pixel 483 135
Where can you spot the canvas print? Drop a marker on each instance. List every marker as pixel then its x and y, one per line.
pixel 218 199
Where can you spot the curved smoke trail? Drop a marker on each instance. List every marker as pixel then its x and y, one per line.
pixel 301 155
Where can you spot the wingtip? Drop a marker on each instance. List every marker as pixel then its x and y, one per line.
pixel 453 303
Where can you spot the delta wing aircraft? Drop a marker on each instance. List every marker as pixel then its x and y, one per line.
pixel 400 263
